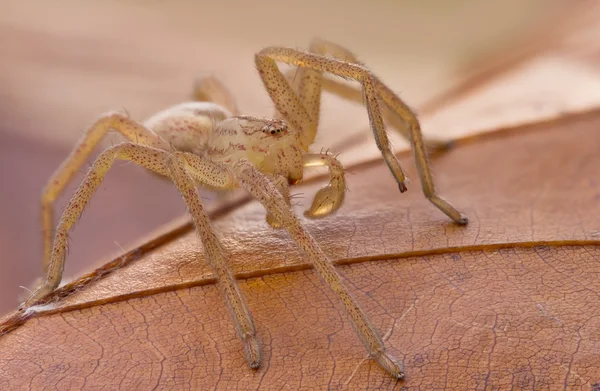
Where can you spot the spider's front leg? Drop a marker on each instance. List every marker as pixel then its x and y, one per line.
pixel 311 82
pixel 215 254
pixel 265 192
pixel 292 108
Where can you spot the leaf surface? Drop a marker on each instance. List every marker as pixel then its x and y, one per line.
pixel 511 300
pixel 508 302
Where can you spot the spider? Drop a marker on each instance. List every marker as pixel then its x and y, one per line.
pixel 207 143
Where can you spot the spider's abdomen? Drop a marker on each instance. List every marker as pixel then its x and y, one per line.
pixel 188 126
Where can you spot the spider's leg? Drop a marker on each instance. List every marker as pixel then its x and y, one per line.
pixel 330 198
pixel 419 150
pixel 281 183
pixel 206 172
pixel 308 84
pixel 61 177
pixel 181 168
pixel 288 104
pixel 349 92
pixel 264 191
pixel 148 157
pixel 353 94
pixel 171 165
pixel 211 89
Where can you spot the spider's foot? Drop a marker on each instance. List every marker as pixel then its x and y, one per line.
pixel 447 208
pixel 38 294
pixel 402 187
pixel 458 218
pixel 252 351
pixel 463 220
pixel 390 364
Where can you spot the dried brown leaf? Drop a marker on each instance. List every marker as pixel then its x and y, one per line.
pixel 509 301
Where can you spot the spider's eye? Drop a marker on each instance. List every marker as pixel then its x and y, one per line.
pixel 272 132
pixel 278 130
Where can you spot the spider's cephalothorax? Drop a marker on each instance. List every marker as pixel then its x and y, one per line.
pixel 268 143
pixel 208 143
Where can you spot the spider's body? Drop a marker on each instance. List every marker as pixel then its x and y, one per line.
pixel 209 130
pixel 208 143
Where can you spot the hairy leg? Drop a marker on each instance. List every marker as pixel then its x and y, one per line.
pixel 353 94
pixel 292 109
pixel 265 192
pixel 207 173
pixel 171 165
pixel 130 129
pixel 282 185
pixel 309 83
pixel 215 255
pixel 147 157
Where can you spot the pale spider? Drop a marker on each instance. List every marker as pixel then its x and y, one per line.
pixel 208 143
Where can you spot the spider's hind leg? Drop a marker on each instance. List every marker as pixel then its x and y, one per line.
pixel 128 128
pixel 148 157
pixel 185 170
pixel 184 167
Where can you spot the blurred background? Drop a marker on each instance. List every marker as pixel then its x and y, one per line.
pixel 62 63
